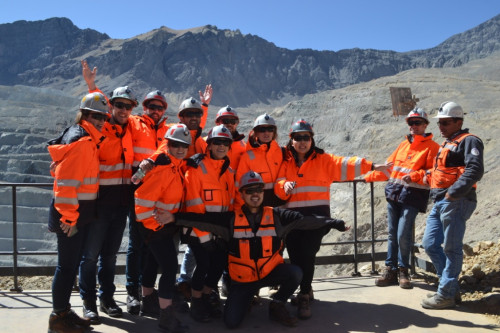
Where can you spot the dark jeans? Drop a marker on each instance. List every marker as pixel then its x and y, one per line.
pixel 69 254
pixel 209 266
pixel 287 276
pixel 137 252
pixel 302 246
pixel 162 252
pixel 103 242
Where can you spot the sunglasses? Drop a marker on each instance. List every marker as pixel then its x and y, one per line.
pixel 229 121
pixel 175 144
pixel 98 116
pixel 262 129
pixel 299 138
pixel 253 190
pixel 121 105
pixel 155 107
pixel 221 142
pixel 192 114
pixel 444 123
pixel 415 122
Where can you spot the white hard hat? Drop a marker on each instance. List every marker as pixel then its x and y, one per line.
pixel 417 113
pixel 179 133
pixel 250 178
pixel 450 110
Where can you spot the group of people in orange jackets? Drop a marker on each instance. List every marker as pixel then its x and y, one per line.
pixel 204 185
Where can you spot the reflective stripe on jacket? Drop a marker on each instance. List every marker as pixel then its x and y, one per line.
pixel 146 136
pixel 252 256
pixel 410 158
pixel 313 179
pixel 77 170
pixel 162 188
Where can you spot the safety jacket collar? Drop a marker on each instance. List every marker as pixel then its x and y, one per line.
pixel 151 123
pixel 460 132
pixel 415 139
pixel 221 165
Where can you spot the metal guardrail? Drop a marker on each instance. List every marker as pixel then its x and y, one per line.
pixel 354 258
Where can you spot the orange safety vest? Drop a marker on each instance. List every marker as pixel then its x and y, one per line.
pixel 252 256
pixel 161 189
pixel 441 175
pixel 146 136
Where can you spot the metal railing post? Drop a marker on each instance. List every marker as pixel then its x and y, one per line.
pixel 14 240
pixel 372 207
pixel 355 199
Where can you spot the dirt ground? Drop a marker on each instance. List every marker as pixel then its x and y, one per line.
pixel 479 280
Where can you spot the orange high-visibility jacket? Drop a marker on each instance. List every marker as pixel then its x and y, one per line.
pixel 115 157
pixel 250 260
pixel 209 187
pixel 77 171
pixel 146 136
pixel 410 158
pixel 265 160
pixel 238 148
pixel 313 179
pixel 162 188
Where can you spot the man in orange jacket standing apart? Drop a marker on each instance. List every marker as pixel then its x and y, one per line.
pixel 406 196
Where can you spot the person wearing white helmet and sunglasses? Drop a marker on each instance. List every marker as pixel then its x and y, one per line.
pixel 458 166
pixel 406 196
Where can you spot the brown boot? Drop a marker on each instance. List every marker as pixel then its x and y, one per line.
pixel 404 278
pixel 169 321
pixel 389 277
pixel 279 313
pixel 62 323
pixel 303 310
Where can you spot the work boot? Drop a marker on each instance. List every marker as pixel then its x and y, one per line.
pixel 169 321
pixel 184 288
pixel 303 310
pixel 90 311
pixel 404 278
pixel 62 323
pixel 150 305
pixel 83 322
pixel 109 306
pixel 438 302
pixel 389 277
pixel 458 297
pixel 199 311
pixel 133 301
pixel 279 313
pixel 213 304
pixel 294 301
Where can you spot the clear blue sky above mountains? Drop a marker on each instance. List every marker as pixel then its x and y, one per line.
pixel 293 24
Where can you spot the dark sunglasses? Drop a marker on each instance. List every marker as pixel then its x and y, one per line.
pixel 121 105
pixel 221 142
pixel 444 123
pixel 175 144
pixel 262 129
pixel 415 122
pixel 155 107
pixel 229 121
pixel 192 114
pixel 98 116
pixel 253 190
pixel 298 138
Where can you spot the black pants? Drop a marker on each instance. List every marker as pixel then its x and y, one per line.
pixel 302 246
pixel 209 265
pixel 241 294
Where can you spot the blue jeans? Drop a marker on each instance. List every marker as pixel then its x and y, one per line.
pixel 400 221
pixel 287 276
pixel 187 267
pixel 446 226
pixel 69 253
pixel 103 243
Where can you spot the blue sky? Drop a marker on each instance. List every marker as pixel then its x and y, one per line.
pixel 316 24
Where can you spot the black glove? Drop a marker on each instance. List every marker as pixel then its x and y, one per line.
pixel 336 224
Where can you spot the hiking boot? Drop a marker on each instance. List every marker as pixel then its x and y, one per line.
pixel 438 302
pixel 133 301
pixel 62 323
pixel 184 288
pixel 389 277
pixel 303 310
pixel 109 306
pixel 199 311
pixel 294 301
pixel 83 322
pixel 169 322
pixel 404 278
pixel 213 304
pixel 90 311
pixel 458 297
pixel 150 305
pixel 279 313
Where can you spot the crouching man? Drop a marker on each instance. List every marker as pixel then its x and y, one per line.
pixel 254 237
